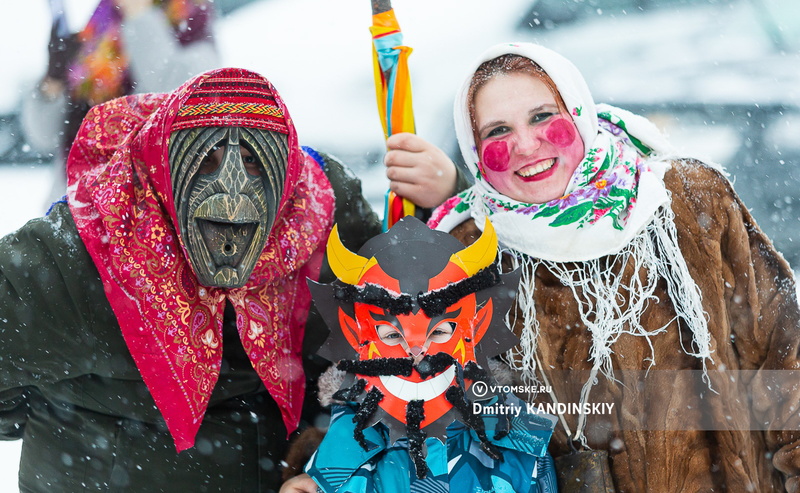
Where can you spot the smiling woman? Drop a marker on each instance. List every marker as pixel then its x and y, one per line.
pixel 632 259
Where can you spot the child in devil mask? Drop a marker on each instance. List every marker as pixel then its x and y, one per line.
pixel 415 317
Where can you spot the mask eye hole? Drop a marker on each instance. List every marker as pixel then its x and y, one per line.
pixel 211 162
pixel 389 334
pixel 250 161
pixel 442 332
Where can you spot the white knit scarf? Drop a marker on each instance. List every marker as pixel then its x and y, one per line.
pixel 615 211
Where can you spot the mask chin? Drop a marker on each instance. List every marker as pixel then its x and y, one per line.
pixel 229 232
pixel 227 245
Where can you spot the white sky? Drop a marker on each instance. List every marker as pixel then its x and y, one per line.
pixel 317 53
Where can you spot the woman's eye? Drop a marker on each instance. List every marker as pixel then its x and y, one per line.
pixel 540 117
pixel 496 132
pixel 251 163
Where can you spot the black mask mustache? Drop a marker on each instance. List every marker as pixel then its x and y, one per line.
pixel 430 365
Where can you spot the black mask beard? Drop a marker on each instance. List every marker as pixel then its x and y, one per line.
pixel 225 212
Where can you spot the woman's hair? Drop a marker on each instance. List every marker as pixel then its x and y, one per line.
pixel 507 64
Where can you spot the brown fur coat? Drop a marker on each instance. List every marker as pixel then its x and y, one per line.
pixel 667 431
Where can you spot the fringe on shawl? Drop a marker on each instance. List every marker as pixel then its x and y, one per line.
pixel 611 307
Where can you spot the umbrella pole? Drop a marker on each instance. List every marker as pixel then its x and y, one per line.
pixel 399 120
pixel 380 6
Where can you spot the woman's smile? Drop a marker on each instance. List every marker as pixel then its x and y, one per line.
pixel 538 171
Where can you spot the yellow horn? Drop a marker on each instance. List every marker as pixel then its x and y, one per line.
pixel 480 254
pixel 346 265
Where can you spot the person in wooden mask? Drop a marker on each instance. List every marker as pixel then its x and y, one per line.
pixel 196 209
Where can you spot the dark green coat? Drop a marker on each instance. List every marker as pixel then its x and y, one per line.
pixel 70 389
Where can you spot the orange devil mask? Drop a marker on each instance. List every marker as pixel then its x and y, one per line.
pixel 414 317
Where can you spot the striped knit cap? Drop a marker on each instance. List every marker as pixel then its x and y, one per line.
pixel 232 98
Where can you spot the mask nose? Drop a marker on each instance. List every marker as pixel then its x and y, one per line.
pixel 417 352
pixel 232 174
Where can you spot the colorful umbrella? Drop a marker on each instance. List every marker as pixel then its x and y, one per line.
pixel 393 91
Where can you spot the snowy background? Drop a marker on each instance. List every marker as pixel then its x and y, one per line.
pixel 721 77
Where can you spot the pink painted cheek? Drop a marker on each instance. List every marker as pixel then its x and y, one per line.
pixel 495 156
pixel 561 133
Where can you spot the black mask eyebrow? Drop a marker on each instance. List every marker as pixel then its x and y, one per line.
pixel 434 303
pixel 372 294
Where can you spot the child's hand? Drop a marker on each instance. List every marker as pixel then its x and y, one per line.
pixel 299 484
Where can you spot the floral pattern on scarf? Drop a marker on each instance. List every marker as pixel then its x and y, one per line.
pixel 612 196
pixel 604 184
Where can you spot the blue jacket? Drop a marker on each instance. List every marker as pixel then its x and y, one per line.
pixel 341 465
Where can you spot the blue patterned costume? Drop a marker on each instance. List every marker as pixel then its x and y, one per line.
pixel 341 465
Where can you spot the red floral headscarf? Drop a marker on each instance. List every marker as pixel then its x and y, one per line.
pixel 121 198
